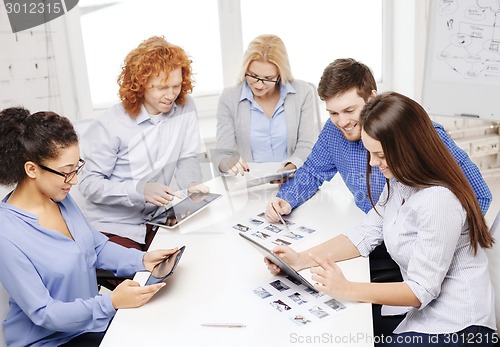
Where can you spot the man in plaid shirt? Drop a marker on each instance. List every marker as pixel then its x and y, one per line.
pixel 346 85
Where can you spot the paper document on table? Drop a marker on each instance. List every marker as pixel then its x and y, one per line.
pixel 271 234
pixel 292 296
pixel 297 303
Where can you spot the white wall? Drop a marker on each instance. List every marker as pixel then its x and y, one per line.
pixel 43 68
pixel 59 81
pixel 409 27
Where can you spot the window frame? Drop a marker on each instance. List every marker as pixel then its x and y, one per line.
pixel 231 39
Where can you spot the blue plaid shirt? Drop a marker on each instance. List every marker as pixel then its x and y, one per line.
pixel 332 153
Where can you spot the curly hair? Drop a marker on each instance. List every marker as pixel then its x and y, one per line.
pixel 151 58
pixel 25 137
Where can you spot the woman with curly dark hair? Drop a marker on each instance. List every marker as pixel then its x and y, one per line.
pixel 48 252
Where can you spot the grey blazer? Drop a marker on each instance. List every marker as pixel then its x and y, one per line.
pixel 234 121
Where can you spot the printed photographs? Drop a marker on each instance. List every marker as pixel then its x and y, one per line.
pixel 285 295
pixel 274 233
pixel 295 302
pixel 261 293
pixel 241 227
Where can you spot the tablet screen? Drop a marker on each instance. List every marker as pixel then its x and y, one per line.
pixel 186 208
pixel 166 268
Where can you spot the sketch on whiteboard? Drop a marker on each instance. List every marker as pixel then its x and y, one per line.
pixel 467 41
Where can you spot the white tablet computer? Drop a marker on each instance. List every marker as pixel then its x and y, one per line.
pixel 185 209
pixel 287 269
pixel 269 178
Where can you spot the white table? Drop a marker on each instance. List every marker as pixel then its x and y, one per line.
pixel 219 270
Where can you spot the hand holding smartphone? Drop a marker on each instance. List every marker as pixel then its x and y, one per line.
pixel 166 268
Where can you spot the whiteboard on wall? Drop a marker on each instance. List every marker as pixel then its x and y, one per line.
pixel 462 65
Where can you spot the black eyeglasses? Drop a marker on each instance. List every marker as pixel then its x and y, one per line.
pixel 252 79
pixel 67 176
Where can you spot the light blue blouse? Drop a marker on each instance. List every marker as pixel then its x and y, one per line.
pixel 268 135
pixel 51 279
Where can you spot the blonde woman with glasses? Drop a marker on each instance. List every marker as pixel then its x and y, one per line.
pixel 268 116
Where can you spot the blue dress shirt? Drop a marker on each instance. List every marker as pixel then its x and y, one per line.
pixel 123 153
pixel 51 279
pixel 268 135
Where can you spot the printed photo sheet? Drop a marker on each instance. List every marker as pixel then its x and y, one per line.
pixel 270 234
pixel 295 302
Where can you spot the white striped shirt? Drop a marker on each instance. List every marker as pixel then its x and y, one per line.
pixel 426 233
pixel 123 153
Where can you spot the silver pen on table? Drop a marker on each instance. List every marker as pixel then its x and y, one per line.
pixel 224 325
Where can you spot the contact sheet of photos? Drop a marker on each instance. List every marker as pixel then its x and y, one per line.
pixel 291 299
pixel 269 233
pixel 297 303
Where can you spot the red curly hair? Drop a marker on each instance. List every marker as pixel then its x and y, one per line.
pixel 152 57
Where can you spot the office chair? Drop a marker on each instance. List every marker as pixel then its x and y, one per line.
pixel 107 280
pixel 316 108
pixel 382 267
pixel 496 224
pixel 4 309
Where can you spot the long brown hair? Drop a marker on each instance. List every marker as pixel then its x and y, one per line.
pixel 417 157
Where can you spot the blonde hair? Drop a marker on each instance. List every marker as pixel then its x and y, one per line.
pixel 267 48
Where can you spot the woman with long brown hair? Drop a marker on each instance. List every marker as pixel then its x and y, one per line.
pixel 433 228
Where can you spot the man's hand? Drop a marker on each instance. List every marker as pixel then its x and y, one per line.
pixel 159 194
pixel 276 206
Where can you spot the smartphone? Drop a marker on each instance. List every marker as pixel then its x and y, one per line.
pixel 166 268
